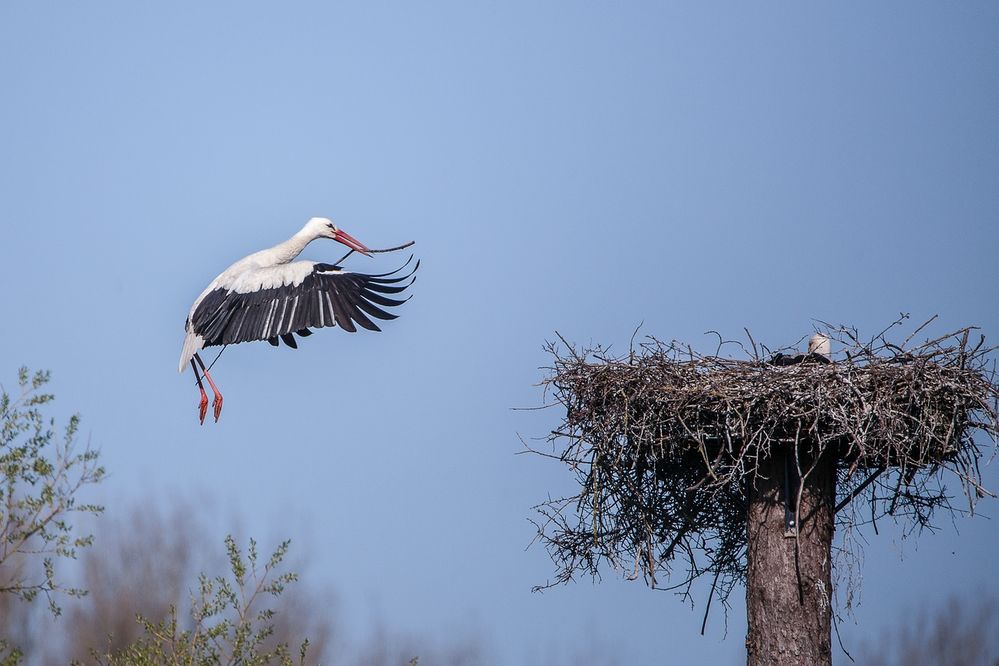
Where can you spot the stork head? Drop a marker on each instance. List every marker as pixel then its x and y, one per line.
pixel 819 344
pixel 323 227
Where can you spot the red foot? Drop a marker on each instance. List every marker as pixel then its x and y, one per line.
pixel 217 403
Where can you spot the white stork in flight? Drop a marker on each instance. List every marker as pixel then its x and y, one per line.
pixel 267 296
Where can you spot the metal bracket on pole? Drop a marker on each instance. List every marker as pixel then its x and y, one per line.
pixel 792 482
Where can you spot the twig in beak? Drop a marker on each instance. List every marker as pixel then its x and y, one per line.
pixel 388 249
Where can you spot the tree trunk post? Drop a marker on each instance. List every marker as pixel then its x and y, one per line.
pixel 788 580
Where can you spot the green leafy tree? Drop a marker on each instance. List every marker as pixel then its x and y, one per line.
pixel 41 476
pixel 230 618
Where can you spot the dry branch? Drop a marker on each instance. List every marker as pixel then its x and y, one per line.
pixel 664 441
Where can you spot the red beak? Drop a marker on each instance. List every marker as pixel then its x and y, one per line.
pixel 351 242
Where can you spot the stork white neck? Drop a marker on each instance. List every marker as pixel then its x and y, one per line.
pixel 282 253
pixel 819 344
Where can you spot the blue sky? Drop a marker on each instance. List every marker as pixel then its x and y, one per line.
pixel 580 167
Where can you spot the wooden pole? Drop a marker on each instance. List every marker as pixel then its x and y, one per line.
pixel 788 579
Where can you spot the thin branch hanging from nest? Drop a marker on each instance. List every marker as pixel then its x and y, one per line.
pixel 664 440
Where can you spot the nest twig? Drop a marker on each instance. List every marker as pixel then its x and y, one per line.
pixel 664 440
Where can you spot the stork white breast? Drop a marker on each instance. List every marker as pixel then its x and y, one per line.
pixel 272 277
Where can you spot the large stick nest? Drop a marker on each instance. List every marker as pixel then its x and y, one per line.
pixel 664 441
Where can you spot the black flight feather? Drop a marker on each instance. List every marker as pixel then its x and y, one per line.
pixel 329 296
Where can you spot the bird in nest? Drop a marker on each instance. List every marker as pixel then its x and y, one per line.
pixel 819 351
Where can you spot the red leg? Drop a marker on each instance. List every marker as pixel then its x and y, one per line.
pixel 217 402
pixel 203 407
